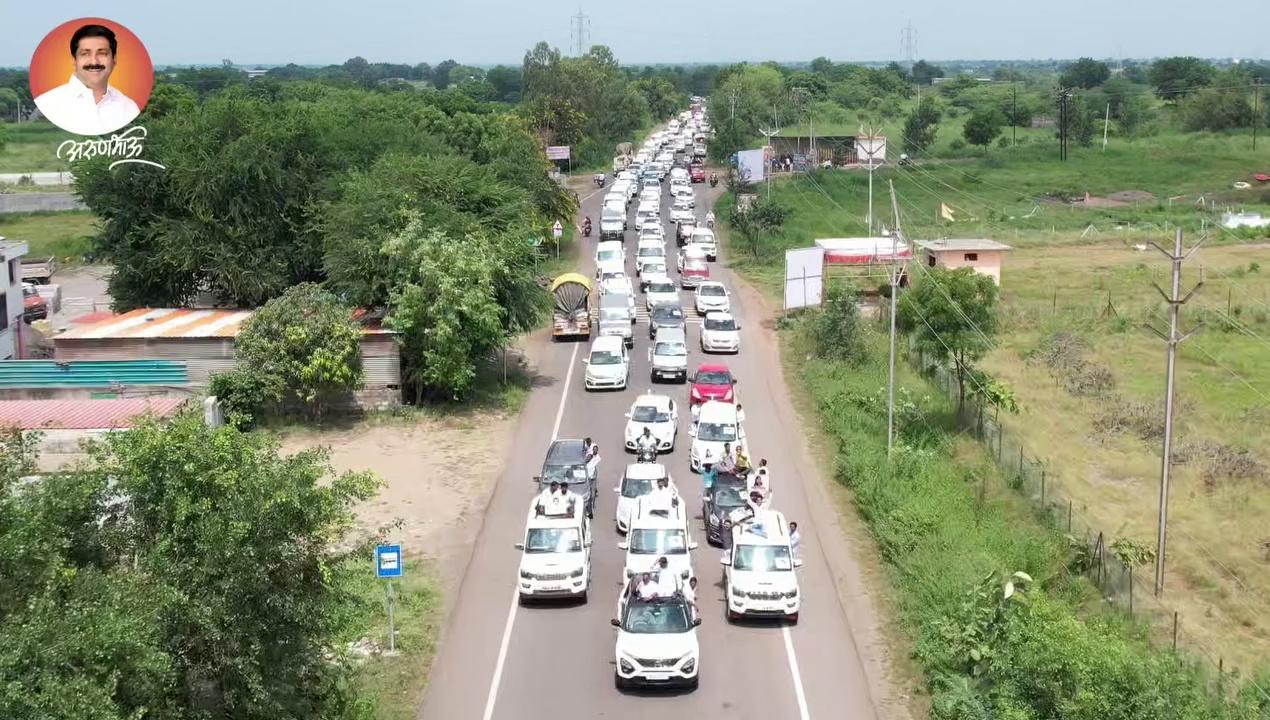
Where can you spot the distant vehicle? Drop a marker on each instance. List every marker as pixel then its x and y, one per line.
pixel 720 332
pixel 571 314
pixel 758 570
pixel 616 317
pixel 693 272
pixel 661 292
pixel 34 307
pixel 683 230
pixel 38 271
pixel 713 381
pixel 668 357
pixel 704 238
pixel 608 251
pixel 555 559
pixel 648 254
pixel 612 223
pixel 608 364
pixel 659 414
pixel 654 270
pixel 566 462
pixel 698 172
pixel 662 317
pixel 712 295
pixel 718 424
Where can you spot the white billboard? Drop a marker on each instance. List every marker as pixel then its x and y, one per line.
pixel 804 277
pixel 751 166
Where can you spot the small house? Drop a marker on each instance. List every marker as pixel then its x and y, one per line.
pixel 11 298
pixel 984 256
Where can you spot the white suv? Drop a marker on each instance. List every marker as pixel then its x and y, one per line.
pixel 758 570
pixel 637 482
pixel 656 640
pixel 555 559
pixel 656 533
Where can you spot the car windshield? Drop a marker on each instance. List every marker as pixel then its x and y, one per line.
pixel 713 377
pixel 762 558
pixel 668 313
pixel 604 357
pixel 652 251
pixel 552 540
pixel 612 214
pixel 650 414
pixel 657 618
pixel 564 473
pixel 716 432
pixel 726 497
pixel 671 348
pixel 654 267
pixel 658 542
pixel 636 487
pixel 694 264
pixel 661 287
pixel 608 255
pixel 717 324
pixel 713 290
pixel 615 314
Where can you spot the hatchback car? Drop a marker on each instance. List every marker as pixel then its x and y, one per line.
pixel 652 270
pixel 664 316
pixel 712 381
pixel 661 292
pixel 721 333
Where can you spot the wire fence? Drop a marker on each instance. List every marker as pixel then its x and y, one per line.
pixel 1120 584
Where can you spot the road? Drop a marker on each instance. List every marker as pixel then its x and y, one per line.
pixel 501 661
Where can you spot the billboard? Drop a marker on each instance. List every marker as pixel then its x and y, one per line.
pixel 804 277
pixel 557 152
pixel 751 165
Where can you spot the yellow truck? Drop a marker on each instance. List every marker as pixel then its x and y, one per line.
pixel 571 314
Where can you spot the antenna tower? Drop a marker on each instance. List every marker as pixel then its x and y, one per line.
pixel 579 27
pixel 908 46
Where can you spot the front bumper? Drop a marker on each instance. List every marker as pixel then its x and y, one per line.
pixel 662 444
pixel 769 605
pixel 658 674
pixel 720 345
pixel 556 586
pixel 671 374
pixel 593 383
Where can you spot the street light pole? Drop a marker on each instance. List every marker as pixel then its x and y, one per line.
pixel 895 292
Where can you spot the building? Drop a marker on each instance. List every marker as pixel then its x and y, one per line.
pixel 64 424
pixel 838 150
pixel 11 299
pixel 204 341
pixel 984 256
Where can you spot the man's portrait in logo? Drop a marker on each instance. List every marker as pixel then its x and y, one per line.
pixel 91 76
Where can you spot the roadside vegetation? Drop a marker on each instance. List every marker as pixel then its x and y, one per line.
pixel 68 236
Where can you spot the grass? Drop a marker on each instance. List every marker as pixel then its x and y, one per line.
pixel 393 685
pixel 32 147
pixel 65 235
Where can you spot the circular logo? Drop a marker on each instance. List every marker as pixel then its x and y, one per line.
pixel 91 76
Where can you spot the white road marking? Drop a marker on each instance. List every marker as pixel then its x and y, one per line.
pixel 511 613
pixel 799 693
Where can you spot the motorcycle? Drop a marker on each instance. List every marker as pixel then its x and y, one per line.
pixel 599 179
pixel 646 455
pixel 714 180
pixel 586 228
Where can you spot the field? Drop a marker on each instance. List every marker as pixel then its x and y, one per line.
pixel 1075 270
pixel 66 235
pixel 32 147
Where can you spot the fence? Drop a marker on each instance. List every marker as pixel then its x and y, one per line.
pixel 1120 584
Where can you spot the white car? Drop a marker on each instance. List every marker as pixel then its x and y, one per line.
pixel 555 559
pixel 758 570
pixel 682 215
pixel 657 532
pixel 653 270
pixel 649 253
pixel 608 364
pixel 656 640
pixel 650 194
pixel 661 292
pixel 621 285
pixel 684 193
pixel 718 423
pixel 610 253
pixel 712 295
pixel 704 238
pixel 720 333
pixel 659 414
pixel 652 231
pixel 637 482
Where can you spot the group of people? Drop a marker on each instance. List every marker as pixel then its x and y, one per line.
pixel 556 499
pixel 660 582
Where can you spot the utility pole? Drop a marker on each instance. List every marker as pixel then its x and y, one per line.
pixel 1106 124
pixel 896 272
pixel 581 23
pixel 1173 340
pixel 1256 119
pixel 871 138
pixel 1062 123
pixel 1014 113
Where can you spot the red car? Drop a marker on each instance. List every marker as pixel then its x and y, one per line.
pixel 695 271
pixel 33 306
pixel 697 172
pixel 712 381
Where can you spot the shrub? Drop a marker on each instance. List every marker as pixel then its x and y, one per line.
pixel 245 395
pixel 837 330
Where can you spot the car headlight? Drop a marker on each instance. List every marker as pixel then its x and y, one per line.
pixel 626 666
pixel 690 665
pixel 696 394
pixel 792 593
pixel 629 573
pixel 578 572
pixel 526 575
pixel 736 592
pixel 713 519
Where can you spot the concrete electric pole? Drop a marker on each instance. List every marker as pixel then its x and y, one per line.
pixel 1177 256
pixel 896 274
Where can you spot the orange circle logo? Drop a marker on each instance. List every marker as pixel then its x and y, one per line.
pixel 91 76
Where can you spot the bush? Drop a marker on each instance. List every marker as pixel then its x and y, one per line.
pixel 245 396
pixel 837 330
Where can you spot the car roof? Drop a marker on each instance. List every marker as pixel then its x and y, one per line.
pixel 718 315
pixel 776 530
pixel 674 520
pixel 611 300
pixel 711 283
pixel 565 451
pixel 646 471
pixel 610 343
pixel 668 307
pixel 672 335
pixel 724 412
pixel 661 402
pixel 713 367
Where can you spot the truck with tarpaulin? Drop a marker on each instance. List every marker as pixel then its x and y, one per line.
pixel 571 311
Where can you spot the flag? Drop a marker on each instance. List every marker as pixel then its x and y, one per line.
pixel 945 212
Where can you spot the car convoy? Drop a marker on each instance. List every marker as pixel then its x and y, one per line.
pixel 656 640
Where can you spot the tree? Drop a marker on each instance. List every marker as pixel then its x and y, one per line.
pixel 441 74
pixel 920 128
pixel 170 99
pixel 308 343
pixel 762 217
pixel 8 103
pixel 1085 73
pixel 507 82
pixel 923 73
pixel 950 315
pixel 1217 109
pixel 838 332
pixel 983 127
pixel 1175 76
pixel 447 312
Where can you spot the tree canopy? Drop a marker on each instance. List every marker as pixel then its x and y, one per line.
pixel 951 315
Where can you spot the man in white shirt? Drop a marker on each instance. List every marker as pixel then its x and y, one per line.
pixel 87 104
pixel 647 589
pixel 690 594
pixel 666 585
pixel 547 497
pixel 662 497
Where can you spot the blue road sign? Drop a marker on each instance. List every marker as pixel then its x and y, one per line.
pixel 388 561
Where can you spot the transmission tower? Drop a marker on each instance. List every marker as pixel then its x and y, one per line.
pixel 908 46
pixel 579 26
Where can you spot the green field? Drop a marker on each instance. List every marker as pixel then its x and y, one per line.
pixel 32 147
pixel 1065 276
pixel 65 235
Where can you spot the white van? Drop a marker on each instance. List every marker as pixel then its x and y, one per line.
pixel 717 424
pixel 668 356
pixel 654 534
pixel 608 364
pixel 758 570
pixel 555 560
pixel 704 239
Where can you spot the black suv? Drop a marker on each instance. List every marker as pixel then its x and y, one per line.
pixel 567 462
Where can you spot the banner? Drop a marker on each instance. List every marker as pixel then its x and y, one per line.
pixel 804 270
pixel 557 152
pixel 751 165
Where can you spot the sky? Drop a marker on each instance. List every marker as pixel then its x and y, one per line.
pixel 482 32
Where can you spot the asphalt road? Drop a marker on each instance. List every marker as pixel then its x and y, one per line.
pixel 500 660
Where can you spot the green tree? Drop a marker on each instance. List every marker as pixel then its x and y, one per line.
pixel 8 103
pixel 441 74
pixel 983 126
pixel 1085 73
pixel 923 73
pixel 507 82
pixel 170 99
pixel 1217 109
pixel 761 219
pixel 838 332
pixel 1173 77
pixel 308 342
pixel 920 128
pixel 447 312
pixel 951 315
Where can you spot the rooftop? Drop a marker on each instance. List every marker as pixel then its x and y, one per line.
pixel 82 414
pixel 176 323
pixel 954 245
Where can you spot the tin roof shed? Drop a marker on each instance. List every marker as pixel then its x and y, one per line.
pixel 84 414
